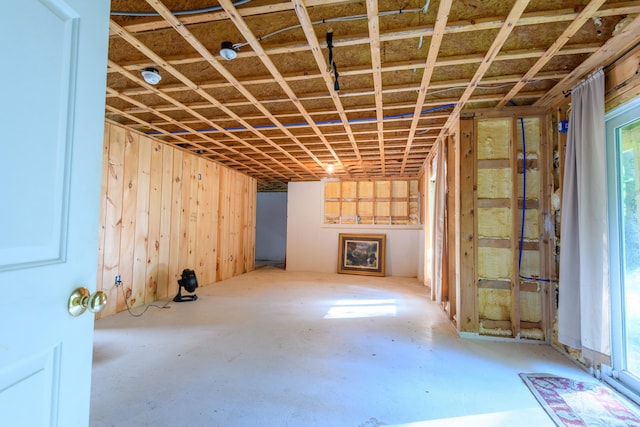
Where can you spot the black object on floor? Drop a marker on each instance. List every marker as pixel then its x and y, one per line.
pixel 189 282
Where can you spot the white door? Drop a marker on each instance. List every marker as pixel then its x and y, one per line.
pixel 52 86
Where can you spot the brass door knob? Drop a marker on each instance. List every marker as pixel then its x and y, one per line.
pixel 80 300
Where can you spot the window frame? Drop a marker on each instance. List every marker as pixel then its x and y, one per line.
pixel 376 207
pixel 617 374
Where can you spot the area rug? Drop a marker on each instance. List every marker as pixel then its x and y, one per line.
pixel 578 403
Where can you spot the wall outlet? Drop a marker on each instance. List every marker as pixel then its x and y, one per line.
pixel 118 280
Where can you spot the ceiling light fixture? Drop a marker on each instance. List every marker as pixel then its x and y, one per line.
pixel 330 168
pixel 227 51
pixel 151 76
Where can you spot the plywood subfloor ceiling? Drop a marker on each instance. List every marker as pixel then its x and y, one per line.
pixel 404 69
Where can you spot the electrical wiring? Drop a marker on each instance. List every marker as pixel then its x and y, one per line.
pixel 435 92
pixel 329 122
pixel 126 301
pixel 177 12
pixel 524 208
pixel 330 20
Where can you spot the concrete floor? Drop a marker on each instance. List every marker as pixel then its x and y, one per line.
pixel 277 348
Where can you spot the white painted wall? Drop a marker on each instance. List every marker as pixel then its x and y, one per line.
pixel 313 246
pixel 271 226
pixel 420 259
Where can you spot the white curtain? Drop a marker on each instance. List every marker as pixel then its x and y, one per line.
pixel 583 313
pixel 437 226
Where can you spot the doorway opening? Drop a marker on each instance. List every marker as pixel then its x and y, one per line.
pixel 271 230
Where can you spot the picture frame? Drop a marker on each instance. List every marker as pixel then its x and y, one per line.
pixel 362 254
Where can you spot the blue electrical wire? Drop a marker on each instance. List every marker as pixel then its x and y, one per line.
pixel 524 206
pixel 330 122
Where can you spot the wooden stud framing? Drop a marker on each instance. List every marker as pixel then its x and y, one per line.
pixel 307 27
pixel 626 38
pixel 148 52
pixel 515 231
pixel 586 14
pixel 506 28
pixel 429 66
pixel 390 201
pixel 466 259
pixel 547 231
pixel 452 243
pixel 261 120
pixel 233 14
pixel 376 65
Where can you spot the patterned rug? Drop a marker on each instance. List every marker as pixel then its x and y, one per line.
pixel 578 403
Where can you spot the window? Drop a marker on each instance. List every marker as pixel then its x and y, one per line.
pixel 388 202
pixel 623 142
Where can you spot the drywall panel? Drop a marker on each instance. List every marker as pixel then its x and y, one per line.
pixel 271 226
pixel 312 246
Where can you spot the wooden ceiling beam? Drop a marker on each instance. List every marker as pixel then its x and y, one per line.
pixel 305 21
pixel 435 115
pixel 206 54
pixel 203 18
pixel 429 66
pixel 376 70
pixel 242 26
pixel 440 62
pixel 587 13
pixel 158 60
pixel 188 129
pixel 287 122
pixel 485 24
pixel 626 38
pixel 506 29
pixel 577 49
pixel 173 101
pixel 195 144
pixel 391 89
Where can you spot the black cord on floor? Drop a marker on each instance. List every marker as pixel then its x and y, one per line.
pixel 126 301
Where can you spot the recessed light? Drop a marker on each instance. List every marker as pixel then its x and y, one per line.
pixel 151 76
pixel 227 51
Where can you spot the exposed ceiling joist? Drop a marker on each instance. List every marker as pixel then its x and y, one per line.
pixel 405 73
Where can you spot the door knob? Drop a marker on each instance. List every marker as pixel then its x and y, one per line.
pixel 80 300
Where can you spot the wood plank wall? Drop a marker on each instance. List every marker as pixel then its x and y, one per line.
pixel 164 210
